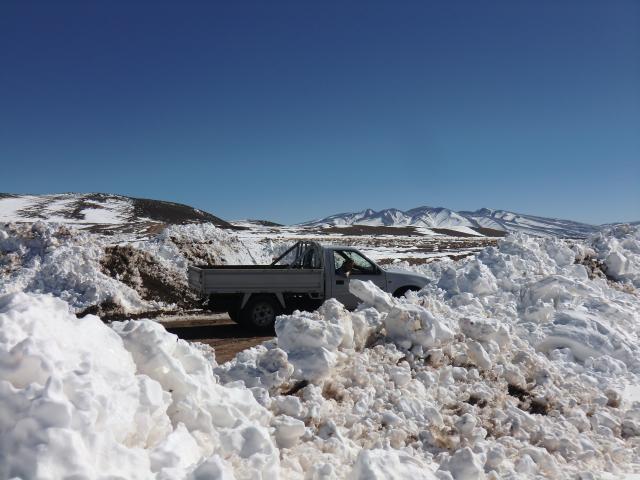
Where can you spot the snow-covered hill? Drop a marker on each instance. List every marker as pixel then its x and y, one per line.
pixel 448 219
pixel 100 211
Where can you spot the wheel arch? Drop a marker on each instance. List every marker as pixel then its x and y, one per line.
pixel 247 296
pixel 400 291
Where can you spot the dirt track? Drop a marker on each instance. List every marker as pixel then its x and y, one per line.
pixel 219 331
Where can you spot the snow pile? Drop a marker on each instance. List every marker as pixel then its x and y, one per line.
pixel 199 244
pixel 619 249
pixel 82 400
pixel 513 364
pixel 49 258
pixel 120 273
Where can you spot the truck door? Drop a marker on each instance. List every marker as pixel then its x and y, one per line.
pixel 347 265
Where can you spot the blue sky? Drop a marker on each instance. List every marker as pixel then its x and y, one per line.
pixel 295 110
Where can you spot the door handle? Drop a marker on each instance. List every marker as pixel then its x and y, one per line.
pixel 339 282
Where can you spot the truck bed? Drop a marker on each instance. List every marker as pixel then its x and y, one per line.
pixel 255 278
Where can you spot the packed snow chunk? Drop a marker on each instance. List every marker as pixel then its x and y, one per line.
pixel 484 330
pixel 82 400
pixel 619 249
pixel 478 355
pixel 475 277
pixel 371 295
pixel 288 430
pixel 410 325
pixel 465 465
pixel 264 366
pixel 366 324
pixel 390 465
pixel 312 340
pixel 214 468
pixel 588 335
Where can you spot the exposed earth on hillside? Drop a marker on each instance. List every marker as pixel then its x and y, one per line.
pixel 102 213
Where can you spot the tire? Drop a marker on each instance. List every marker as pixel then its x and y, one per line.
pixel 260 312
pixel 402 290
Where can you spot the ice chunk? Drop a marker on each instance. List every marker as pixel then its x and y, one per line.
pixel 371 295
pixel 464 465
pixel 389 465
pixel 410 325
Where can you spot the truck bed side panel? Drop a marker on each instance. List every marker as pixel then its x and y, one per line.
pixel 253 280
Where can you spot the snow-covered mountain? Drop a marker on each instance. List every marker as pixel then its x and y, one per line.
pixel 443 218
pixel 100 211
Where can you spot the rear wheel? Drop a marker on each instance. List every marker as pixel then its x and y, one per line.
pixel 260 312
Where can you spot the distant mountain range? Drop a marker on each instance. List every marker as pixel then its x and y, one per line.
pixel 101 212
pixel 443 218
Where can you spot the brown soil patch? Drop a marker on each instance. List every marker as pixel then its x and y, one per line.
pixel 173 213
pixel 226 337
pixel 140 271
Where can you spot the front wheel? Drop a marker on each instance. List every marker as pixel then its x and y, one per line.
pixel 402 290
pixel 260 312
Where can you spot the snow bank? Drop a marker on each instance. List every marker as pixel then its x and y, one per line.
pixel 122 272
pixel 619 249
pixel 82 400
pixel 512 364
pixel 48 258
pixel 516 363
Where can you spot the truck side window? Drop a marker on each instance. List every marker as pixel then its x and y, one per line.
pixel 361 266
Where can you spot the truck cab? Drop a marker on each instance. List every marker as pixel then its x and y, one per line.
pixel 337 284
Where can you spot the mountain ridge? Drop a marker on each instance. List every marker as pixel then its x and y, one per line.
pixel 440 217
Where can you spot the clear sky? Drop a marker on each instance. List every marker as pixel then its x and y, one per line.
pixel 290 111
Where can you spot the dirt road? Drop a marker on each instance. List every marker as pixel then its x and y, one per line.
pixel 219 331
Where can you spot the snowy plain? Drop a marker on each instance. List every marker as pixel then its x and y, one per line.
pixel 520 361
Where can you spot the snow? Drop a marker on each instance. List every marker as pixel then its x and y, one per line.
pixel 619 249
pixel 75 209
pixel 49 258
pixel 52 258
pixel 10 205
pixel 518 362
pixel 84 400
pixel 108 212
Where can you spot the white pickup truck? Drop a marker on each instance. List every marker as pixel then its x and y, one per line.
pixel 302 278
